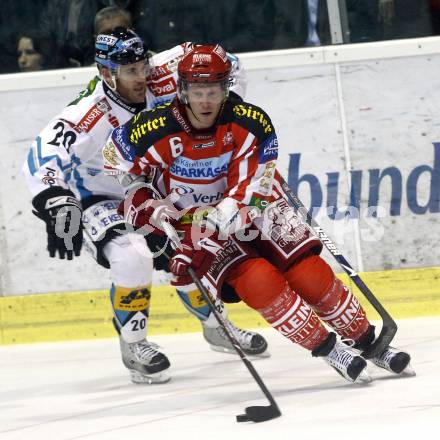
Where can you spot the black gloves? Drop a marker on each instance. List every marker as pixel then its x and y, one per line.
pixel 61 211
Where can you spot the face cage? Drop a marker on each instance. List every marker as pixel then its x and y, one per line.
pixel 182 89
pixel 130 72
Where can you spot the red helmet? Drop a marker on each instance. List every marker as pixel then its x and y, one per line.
pixel 203 64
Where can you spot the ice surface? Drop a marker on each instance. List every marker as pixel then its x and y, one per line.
pixel 80 390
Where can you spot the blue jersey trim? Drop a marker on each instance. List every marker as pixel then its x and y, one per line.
pixel 43 159
pixel 78 180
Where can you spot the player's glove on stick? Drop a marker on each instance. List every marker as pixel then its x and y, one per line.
pixel 198 256
pixel 141 210
pixel 61 211
pixel 183 258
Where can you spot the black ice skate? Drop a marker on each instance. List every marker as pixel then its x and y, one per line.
pixel 395 361
pixel 344 359
pixel 145 362
pixel 391 359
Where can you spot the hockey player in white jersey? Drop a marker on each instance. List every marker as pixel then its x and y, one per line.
pixel 78 202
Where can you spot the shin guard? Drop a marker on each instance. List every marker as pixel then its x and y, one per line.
pixel 198 307
pixel 347 317
pixel 333 302
pixel 290 315
pixel 130 310
pixel 263 288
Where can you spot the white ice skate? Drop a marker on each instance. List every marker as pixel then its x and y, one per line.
pixel 344 359
pixel 145 362
pixel 252 343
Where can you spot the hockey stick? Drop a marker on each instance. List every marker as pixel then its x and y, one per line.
pixel 389 326
pixel 252 413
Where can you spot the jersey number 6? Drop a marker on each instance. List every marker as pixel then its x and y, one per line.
pixel 176 146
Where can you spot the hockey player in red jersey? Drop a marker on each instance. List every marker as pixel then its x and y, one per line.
pixel 64 172
pixel 210 159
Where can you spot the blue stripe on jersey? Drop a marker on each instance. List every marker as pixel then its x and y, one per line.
pixel 31 163
pixel 33 167
pixel 78 180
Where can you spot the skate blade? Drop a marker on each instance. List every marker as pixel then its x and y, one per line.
pixel 408 371
pixel 221 349
pixel 364 378
pixel 150 379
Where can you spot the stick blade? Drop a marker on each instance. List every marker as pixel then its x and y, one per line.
pixel 259 414
pixel 383 341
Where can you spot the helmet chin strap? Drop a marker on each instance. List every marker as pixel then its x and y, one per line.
pixel 192 111
pixel 114 88
pixel 114 80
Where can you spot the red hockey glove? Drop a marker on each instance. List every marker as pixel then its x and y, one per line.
pixel 200 260
pixel 181 260
pixel 141 210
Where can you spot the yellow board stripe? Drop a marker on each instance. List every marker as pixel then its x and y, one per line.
pixel 87 315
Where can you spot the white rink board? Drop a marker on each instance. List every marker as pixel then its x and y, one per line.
pixel 80 390
pixel 359 115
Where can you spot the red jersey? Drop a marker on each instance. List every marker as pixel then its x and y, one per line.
pixel 233 160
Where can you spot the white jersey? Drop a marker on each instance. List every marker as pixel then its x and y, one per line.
pixel 67 152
